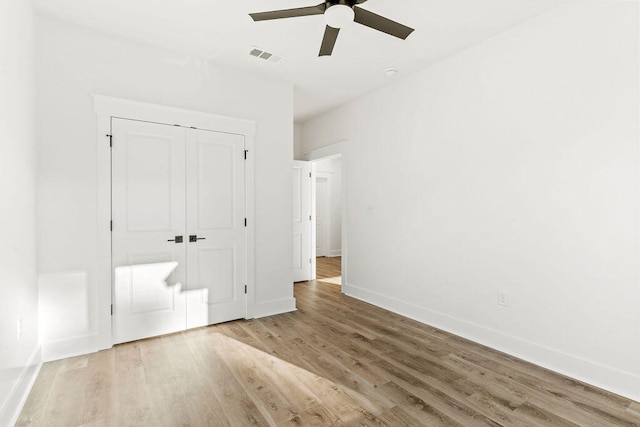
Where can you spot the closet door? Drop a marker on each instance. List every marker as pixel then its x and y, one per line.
pixel 148 213
pixel 216 247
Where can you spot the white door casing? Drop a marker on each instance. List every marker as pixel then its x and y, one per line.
pixel 216 274
pixel 301 221
pixel 170 183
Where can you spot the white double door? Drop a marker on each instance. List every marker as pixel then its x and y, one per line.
pixel 178 237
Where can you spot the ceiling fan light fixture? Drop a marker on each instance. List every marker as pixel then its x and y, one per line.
pixel 339 15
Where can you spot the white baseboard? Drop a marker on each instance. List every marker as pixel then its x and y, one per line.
pixel 335 252
pixel 274 307
pixel 605 377
pixel 77 346
pixel 10 410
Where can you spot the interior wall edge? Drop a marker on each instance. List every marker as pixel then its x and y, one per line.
pixel 598 375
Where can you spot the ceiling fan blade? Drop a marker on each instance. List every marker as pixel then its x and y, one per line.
pixel 329 41
pixel 381 23
pixel 289 13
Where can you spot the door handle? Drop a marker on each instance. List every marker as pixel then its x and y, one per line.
pixel 178 239
pixel 195 238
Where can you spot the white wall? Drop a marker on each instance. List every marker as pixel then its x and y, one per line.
pixel 73 63
pixel 18 270
pixel 297 141
pixel 510 167
pixel 333 168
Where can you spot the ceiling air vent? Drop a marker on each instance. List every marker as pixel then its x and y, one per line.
pixel 263 54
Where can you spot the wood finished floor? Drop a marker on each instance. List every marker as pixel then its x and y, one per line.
pixel 336 361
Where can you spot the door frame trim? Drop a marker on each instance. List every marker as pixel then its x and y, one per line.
pixel 106 108
pixel 338 149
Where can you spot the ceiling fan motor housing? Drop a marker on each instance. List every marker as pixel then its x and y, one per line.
pixel 339 13
pixel 349 3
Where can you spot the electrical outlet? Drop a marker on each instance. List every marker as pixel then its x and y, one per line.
pixel 20 328
pixel 502 299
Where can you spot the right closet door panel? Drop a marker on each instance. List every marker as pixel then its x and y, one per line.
pixel 216 238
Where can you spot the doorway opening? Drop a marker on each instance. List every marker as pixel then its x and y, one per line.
pixel 327 209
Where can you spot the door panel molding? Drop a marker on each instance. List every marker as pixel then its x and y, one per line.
pixel 106 108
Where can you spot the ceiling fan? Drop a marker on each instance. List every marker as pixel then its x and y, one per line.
pixel 339 13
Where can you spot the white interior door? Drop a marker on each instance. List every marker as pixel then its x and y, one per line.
pixel 301 221
pixel 178 239
pixel 216 244
pixel 322 220
pixel 148 199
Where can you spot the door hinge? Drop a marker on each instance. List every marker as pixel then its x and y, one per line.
pixel 309 174
pixel 309 217
pixel 245 154
pixel 110 225
pixel 110 140
pixel 112 309
pixel 245 222
pixel 245 289
pixel 309 260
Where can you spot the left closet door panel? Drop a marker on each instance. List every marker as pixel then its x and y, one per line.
pixel 148 212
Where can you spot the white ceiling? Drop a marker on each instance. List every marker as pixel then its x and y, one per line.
pixel 222 32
